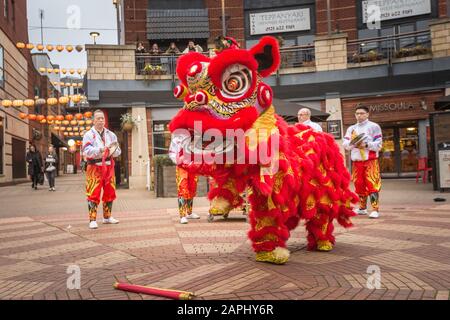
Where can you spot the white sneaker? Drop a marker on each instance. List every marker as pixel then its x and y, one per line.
pixel 184 220
pixel 193 216
pixel 361 212
pixel 53 189
pixel 110 220
pixel 374 214
pixel 93 225
pixel 50 189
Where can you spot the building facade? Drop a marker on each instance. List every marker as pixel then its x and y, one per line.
pixel 14 77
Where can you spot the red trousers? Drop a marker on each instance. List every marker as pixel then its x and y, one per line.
pixel 97 179
pixel 367 181
pixel 187 189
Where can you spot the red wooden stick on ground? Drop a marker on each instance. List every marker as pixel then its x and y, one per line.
pixel 172 294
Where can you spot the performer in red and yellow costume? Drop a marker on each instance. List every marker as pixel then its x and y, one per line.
pixel 100 146
pixel 303 178
pixel 364 140
pixel 186 184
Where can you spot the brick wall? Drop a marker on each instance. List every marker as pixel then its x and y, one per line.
pixel 234 24
pixel 343 17
pixel 135 18
pixel 443 8
pixel 106 62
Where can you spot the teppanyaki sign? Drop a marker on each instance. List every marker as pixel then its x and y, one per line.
pixel 280 21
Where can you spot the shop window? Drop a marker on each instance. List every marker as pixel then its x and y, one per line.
pixel 161 137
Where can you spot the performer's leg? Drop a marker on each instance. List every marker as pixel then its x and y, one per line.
pixel 224 197
pixel 109 195
pixel 320 232
pixel 268 230
pixel 359 180
pixel 93 190
pixel 186 185
pixel 373 183
pixel 92 207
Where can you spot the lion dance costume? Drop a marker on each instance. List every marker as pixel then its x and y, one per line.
pixel 100 171
pixel 305 178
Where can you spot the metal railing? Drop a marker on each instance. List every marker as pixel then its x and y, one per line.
pixel 389 47
pixel 297 56
pixel 165 64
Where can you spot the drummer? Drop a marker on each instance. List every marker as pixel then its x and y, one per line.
pixel 364 141
pixel 100 146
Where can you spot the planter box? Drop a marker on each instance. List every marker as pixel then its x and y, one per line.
pixel 166 185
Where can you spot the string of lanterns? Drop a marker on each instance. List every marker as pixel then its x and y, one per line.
pixel 68 84
pixel 49 47
pixel 69 125
pixel 40 101
pixel 63 71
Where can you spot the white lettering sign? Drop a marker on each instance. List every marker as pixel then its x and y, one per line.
pixel 280 21
pixel 395 9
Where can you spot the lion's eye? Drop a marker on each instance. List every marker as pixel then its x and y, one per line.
pixel 236 81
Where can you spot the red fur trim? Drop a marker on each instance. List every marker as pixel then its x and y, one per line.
pixel 264 42
pixel 185 61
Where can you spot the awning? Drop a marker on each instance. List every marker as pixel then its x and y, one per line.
pixel 58 142
pixel 288 110
pixel 177 24
pixel 443 103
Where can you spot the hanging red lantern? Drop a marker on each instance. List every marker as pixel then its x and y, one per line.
pixel 32 116
pixel 88 114
pixel 22 115
pixel 69 116
pixel 60 117
pixel 78 116
pixel 50 117
pixel 40 117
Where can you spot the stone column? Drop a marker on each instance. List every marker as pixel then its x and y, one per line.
pixel 139 149
pixel 331 52
pixel 334 108
pixel 440 38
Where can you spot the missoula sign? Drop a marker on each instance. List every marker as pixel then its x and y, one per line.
pixel 392 106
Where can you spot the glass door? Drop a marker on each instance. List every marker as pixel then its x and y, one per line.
pixel 409 146
pixel 387 155
pixel 399 154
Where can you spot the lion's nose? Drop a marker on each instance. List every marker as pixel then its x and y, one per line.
pixel 201 97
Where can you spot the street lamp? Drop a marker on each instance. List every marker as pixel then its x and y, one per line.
pixel 117 3
pixel 94 34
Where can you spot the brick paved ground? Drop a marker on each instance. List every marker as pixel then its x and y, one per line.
pixel 42 233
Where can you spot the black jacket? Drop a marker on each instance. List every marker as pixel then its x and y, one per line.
pixel 34 161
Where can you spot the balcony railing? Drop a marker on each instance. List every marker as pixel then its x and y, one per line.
pixel 389 47
pixel 297 56
pixel 155 65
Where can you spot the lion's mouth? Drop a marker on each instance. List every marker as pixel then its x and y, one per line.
pixel 206 145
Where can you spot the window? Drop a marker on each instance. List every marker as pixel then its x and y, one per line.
pixel 161 137
pixel 2 71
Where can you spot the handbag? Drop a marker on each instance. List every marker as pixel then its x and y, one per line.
pixel 50 168
pixel 41 178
